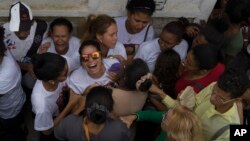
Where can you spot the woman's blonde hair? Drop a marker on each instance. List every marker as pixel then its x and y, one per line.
pixel 183 125
pixel 96 25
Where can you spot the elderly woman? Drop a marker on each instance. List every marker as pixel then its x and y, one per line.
pixel 178 124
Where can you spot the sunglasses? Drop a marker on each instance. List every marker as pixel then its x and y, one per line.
pixel 93 55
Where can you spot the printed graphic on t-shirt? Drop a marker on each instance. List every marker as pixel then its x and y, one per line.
pixel 10 44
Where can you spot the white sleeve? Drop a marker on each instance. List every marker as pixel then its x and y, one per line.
pixel 73 86
pixel 140 53
pixel 43 121
pixel 181 49
pixel 144 54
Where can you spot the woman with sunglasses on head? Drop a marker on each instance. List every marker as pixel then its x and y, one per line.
pixel 178 124
pixel 103 28
pixel 94 70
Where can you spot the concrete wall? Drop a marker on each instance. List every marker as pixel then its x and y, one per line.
pixel 158 23
pixel 78 10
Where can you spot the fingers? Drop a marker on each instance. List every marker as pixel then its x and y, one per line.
pixel 147 76
pixel 126 121
pixel 44 48
pixel 113 76
pixel 192 31
pixel 138 84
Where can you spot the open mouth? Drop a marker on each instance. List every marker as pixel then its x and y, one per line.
pixel 92 66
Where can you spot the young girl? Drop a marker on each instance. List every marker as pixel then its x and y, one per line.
pixel 104 29
pixel 51 72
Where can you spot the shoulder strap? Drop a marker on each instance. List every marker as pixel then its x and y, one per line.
pixel 40 30
pixel 146 34
pixel 197 85
pixel 220 132
pixel 86 129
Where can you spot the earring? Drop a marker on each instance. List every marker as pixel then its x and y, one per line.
pixel 52 82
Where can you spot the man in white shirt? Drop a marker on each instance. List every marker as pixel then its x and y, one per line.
pixel 23 36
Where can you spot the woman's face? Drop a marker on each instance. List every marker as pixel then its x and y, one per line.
pixel 190 62
pixel 92 61
pixel 167 40
pixel 61 36
pixel 198 40
pixel 246 99
pixel 166 120
pixel 137 22
pixel 109 38
pixel 63 74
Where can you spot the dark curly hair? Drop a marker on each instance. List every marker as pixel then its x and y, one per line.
pixel 206 56
pixel 145 6
pixel 234 81
pixel 134 72
pixel 166 70
pixel 48 66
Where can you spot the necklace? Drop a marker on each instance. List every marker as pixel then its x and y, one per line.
pixel 86 129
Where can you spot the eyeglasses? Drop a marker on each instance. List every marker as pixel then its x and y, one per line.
pixel 222 100
pixel 93 55
pixel 164 117
pixel 166 44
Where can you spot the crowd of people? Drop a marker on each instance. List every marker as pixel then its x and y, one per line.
pixel 192 81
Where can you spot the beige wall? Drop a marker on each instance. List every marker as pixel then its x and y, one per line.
pixel 157 23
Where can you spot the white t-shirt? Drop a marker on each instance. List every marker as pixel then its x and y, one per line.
pixel 45 105
pixel 10 73
pixel 79 80
pixel 118 50
pixel 150 50
pixel 12 96
pixel 126 38
pixel 17 47
pixel 72 53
